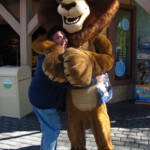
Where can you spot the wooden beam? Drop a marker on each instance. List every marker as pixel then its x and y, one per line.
pixel 145 4
pixel 32 25
pixel 11 20
pixel 24 29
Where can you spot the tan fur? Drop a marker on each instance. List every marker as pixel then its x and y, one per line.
pixel 85 99
pixel 89 54
pixel 43 46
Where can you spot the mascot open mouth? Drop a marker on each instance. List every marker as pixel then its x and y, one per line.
pixel 70 21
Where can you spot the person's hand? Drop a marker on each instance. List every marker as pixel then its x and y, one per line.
pixel 100 79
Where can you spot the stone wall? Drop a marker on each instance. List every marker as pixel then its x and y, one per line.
pixel 122 93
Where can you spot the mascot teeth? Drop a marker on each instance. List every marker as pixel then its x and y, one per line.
pixel 70 21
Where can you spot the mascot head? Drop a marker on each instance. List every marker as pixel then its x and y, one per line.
pixel 82 19
pixel 74 14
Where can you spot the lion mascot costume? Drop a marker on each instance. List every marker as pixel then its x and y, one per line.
pixel 89 54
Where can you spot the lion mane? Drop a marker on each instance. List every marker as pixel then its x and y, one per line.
pixel 101 13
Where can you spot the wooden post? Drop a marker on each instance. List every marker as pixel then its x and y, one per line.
pixel 25 39
pixel 10 19
pixel 25 29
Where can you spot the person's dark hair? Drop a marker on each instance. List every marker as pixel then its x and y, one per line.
pixel 53 30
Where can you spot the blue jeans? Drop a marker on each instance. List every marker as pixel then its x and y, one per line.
pixel 50 127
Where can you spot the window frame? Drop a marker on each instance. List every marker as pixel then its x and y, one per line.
pixel 112 37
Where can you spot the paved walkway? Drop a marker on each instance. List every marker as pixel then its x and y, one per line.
pixel 130 125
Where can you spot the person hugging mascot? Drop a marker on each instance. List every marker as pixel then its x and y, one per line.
pixel 88 54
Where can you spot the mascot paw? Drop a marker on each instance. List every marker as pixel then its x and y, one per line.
pixel 53 67
pixel 78 67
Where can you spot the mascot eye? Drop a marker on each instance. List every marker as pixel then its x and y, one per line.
pixel 59 1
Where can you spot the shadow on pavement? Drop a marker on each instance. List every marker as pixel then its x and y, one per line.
pixel 125 114
pixel 30 148
pixel 129 115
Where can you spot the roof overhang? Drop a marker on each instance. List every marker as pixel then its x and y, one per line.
pixel 145 4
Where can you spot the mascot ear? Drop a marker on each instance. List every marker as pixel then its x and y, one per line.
pixel 59 1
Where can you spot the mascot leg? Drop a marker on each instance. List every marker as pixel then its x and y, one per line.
pixel 101 128
pixel 76 131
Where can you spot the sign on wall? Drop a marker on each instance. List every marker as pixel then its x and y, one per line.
pixel 123 44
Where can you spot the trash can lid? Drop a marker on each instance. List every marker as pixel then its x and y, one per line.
pixel 20 72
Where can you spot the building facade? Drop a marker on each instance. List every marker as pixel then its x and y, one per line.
pixel 19 26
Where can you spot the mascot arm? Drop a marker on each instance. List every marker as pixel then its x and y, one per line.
pixel 102 60
pixel 81 65
pixel 78 67
pixel 44 46
pixel 53 66
pixel 67 85
pixel 53 62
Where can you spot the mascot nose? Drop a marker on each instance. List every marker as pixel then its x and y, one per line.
pixel 68 6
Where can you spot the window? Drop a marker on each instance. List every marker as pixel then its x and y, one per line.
pixel 123 44
pixel 121 33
